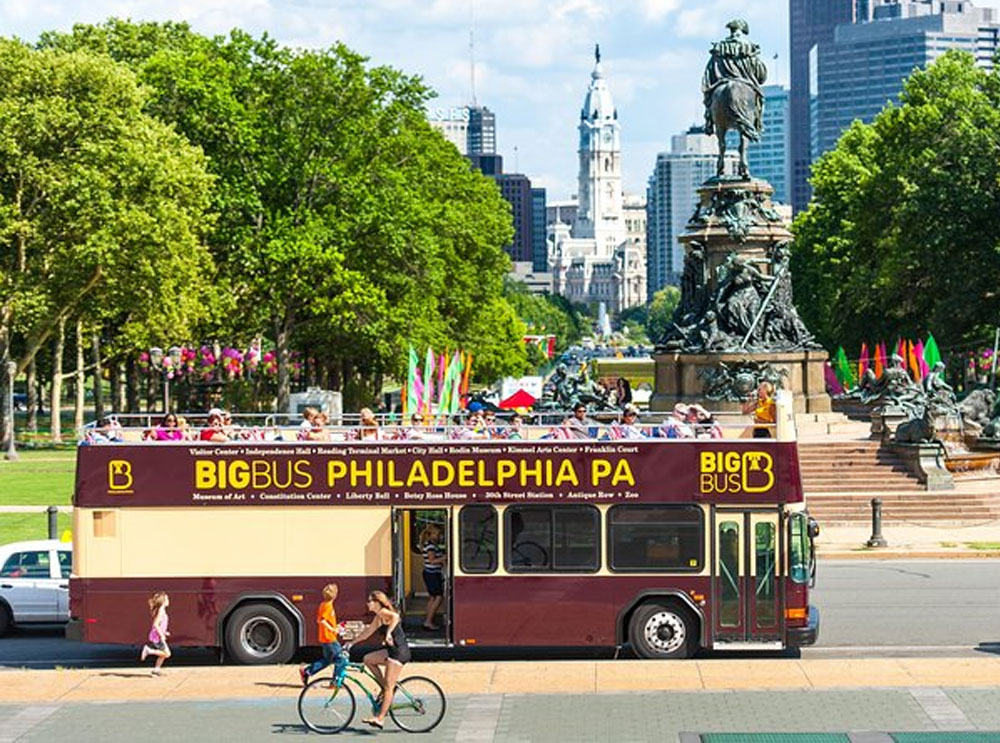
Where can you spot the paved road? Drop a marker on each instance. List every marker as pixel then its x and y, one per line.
pixel 869 608
pixel 530 717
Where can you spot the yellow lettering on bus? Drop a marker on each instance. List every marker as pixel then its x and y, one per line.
pixel 357 473
pixel 260 474
pixel 466 476
pixel 527 472
pixel 506 469
pixel 623 473
pixel 758 462
pixel 442 473
pixel 394 482
pixel 482 476
pixel 276 480
pixel 707 463
pixel 566 474
pixel 204 474
pixel 302 470
pixel 731 461
pixel 335 469
pixel 239 474
pixel 599 469
pixel 418 474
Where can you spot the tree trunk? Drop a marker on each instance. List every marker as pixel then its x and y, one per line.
pixel 33 397
pixel 78 378
pixel 131 385
pixel 55 402
pixel 283 333
pixel 117 387
pixel 95 340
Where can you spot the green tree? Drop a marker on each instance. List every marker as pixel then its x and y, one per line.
pixel 661 312
pixel 345 222
pixel 100 203
pixel 902 232
pixel 545 315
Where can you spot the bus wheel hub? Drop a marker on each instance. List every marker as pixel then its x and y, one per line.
pixel 261 636
pixel 664 631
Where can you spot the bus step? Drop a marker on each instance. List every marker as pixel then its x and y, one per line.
pixel 745 645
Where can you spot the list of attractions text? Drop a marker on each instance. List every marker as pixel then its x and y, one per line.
pixel 437 473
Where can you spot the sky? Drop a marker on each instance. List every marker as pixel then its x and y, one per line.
pixel 533 58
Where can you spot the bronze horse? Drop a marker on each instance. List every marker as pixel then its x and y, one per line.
pixel 733 104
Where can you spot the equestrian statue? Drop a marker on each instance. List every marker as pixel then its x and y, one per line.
pixel 732 92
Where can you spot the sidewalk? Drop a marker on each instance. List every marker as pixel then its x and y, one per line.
pixel 511 677
pixel 906 540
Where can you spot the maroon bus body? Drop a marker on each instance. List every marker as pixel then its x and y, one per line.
pixel 489 610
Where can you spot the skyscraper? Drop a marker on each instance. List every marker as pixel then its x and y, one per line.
pixel 472 129
pixel 768 158
pixel 516 189
pixel 671 196
pixel 810 22
pixel 864 65
pixel 482 131
pixel 539 244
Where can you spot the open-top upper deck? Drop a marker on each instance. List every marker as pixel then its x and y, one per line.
pixel 429 473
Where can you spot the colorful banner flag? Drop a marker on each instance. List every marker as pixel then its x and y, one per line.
pixel 911 362
pixel 842 368
pixel 863 362
pixel 879 359
pixel 918 351
pixel 428 396
pixel 931 353
pixel 412 401
pixel 832 383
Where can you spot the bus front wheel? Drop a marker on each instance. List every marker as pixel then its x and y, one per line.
pixel 258 634
pixel 663 631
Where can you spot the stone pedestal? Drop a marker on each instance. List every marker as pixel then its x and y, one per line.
pixel 885 421
pixel 678 379
pixel 927 462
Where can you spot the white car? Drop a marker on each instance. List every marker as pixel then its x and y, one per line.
pixel 34 582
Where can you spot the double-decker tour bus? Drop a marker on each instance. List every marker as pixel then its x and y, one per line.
pixel 670 545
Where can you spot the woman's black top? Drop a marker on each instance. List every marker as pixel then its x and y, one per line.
pixel 400 649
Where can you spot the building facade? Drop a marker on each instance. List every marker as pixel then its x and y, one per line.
pixel 768 158
pixel 864 65
pixel 592 259
pixel 516 189
pixel 539 243
pixel 671 197
pixel 472 129
pixel 810 22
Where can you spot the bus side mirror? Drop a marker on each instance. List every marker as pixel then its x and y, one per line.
pixel 813 528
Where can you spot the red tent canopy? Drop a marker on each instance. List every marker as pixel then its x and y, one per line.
pixel 519 399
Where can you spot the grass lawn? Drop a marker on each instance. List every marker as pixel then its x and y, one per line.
pixel 42 478
pixel 20 527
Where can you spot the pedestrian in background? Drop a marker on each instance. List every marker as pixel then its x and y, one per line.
pixel 158 633
pixel 326 626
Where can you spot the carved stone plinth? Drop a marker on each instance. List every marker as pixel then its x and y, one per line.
pixel 885 420
pixel 927 462
pixel 680 377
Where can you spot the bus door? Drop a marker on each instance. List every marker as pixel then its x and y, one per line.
pixel 409 586
pixel 747 595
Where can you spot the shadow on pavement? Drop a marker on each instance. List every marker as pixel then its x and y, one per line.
pixel 988 647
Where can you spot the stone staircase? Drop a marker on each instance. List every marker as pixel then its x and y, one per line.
pixel 841 475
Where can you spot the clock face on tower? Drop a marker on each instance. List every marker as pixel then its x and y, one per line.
pixel 607 137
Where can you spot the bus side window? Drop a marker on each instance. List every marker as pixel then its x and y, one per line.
pixel 546 538
pixel 798 553
pixel 477 533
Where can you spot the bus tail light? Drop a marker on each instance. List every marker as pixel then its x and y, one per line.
pixel 91 620
pixel 796 613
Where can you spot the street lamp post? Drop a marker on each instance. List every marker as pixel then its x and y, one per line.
pixel 166 365
pixel 11 454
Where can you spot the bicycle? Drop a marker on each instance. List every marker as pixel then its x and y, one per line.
pixel 523 554
pixel 327 705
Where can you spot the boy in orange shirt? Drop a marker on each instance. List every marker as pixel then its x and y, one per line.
pixel 326 620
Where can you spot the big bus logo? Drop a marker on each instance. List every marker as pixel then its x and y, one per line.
pixel 735 472
pixel 120 477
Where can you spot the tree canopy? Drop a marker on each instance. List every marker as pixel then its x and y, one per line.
pixel 345 223
pixel 903 232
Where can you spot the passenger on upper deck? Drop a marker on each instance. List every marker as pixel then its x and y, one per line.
pixel 704 424
pixel 306 426
pixel 105 431
pixel 628 427
pixel 762 407
pixel 675 426
pixel 368 429
pixel 214 430
pixel 168 430
pixel 578 425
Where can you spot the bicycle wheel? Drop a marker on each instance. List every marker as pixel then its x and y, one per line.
pixel 529 555
pixel 418 706
pixel 477 557
pixel 324 709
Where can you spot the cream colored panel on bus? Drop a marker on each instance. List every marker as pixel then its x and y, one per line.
pixel 250 541
pixel 96 552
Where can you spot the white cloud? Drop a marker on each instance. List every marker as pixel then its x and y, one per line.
pixel 656 10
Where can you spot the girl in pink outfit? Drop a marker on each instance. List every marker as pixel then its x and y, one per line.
pixel 168 430
pixel 158 634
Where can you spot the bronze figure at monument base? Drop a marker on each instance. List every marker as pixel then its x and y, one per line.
pixel 688 378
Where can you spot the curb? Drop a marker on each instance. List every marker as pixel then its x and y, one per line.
pixel 887 553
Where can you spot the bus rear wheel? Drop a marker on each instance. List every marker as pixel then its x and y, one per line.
pixel 258 634
pixel 663 631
